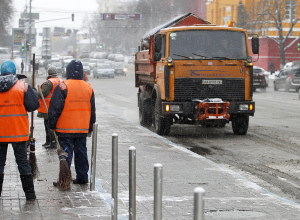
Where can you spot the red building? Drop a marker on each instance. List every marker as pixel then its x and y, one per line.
pixel 268 50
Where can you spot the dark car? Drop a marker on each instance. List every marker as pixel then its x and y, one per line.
pixel 119 68
pixel 260 78
pixel 288 78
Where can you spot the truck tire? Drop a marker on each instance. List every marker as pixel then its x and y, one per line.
pixel 162 125
pixel 145 111
pixel 240 124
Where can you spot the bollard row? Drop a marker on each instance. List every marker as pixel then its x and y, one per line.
pixel 158 179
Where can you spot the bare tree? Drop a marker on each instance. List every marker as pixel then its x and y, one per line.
pixel 276 13
pixel 6 12
pixel 242 16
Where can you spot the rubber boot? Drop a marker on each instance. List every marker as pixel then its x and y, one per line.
pixel 47 140
pixel 52 141
pixel 28 187
pixel 1 182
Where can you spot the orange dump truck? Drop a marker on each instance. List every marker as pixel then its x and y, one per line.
pixel 191 72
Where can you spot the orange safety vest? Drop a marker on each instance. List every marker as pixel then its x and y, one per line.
pixel 75 117
pixel 55 81
pixel 13 115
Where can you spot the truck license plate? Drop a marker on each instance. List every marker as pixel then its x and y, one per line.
pixel 211 81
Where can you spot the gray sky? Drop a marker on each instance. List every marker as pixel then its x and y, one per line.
pixel 54 9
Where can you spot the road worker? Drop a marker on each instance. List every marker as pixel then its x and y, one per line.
pixel 72 114
pixel 47 89
pixel 16 99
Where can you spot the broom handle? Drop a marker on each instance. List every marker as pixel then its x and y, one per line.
pixel 55 136
pixel 32 85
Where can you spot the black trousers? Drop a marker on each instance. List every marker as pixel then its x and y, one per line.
pixel 49 134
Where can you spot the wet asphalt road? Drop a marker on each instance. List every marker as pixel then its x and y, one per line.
pixel 268 155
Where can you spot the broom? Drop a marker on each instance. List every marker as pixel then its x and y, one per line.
pixel 65 177
pixel 31 142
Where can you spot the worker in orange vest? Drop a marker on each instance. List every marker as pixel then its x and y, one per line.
pixel 47 89
pixel 72 114
pixel 16 99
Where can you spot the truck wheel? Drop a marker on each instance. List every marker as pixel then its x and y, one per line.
pixel 240 124
pixel 162 125
pixel 145 112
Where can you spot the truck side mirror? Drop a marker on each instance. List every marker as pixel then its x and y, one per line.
pixel 255 45
pixel 157 43
pixel 157 47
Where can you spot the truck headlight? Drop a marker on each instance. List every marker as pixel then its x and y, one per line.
pixel 243 107
pixel 172 108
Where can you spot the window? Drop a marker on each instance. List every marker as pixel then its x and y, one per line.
pixel 290 10
pixel 208 44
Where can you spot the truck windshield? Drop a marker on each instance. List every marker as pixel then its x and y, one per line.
pixel 204 44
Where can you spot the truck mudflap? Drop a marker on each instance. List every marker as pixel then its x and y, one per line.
pixel 212 109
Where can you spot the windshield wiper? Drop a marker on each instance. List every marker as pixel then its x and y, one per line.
pixel 181 56
pixel 201 55
pixel 224 58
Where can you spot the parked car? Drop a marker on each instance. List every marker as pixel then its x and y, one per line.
pixel 103 70
pixel 288 78
pixel 119 68
pixel 260 78
pixel 119 58
pixel 86 68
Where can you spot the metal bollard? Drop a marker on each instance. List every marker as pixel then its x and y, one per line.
pixel 114 195
pixel 157 191
pixel 93 157
pixel 199 203
pixel 132 183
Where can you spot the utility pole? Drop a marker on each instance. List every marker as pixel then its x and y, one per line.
pixel 29 40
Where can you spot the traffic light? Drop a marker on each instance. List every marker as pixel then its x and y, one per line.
pixel 72 17
pixel 27 45
pixel 298 46
pixel 23 47
pixel 100 46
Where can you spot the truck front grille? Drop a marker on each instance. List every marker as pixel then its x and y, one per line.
pixel 192 88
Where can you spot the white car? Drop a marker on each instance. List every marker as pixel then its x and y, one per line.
pixel 119 58
pixel 103 70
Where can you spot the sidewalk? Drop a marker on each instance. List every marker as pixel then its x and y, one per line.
pixel 228 194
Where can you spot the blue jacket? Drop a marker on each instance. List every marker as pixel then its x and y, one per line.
pixel 31 100
pixel 57 103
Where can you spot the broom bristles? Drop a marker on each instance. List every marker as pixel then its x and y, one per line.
pixel 32 160
pixel 65 177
